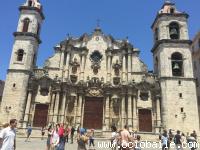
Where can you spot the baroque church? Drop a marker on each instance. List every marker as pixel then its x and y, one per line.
pixel 95 80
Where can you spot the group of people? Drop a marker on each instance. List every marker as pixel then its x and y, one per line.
pixel 179 139
pixel 59 135
pixel 124 140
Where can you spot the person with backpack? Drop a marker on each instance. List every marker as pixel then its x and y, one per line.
pixel 82 140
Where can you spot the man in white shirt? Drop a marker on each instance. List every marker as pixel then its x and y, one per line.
pixel 8 136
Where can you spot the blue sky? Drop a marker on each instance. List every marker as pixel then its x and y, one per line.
pixel 120 18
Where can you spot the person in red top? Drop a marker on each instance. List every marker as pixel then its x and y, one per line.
pixel 61 132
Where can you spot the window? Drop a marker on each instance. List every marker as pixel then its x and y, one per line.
pixel 177 64
pixel 172 10
pixel 38 29
pixel 180 95
pixel 197 82
pixel 14 85
pixel 179 82
pixel 20 55
pixel 26 25
pixel 96 56
pixel 182 110
pixel 174 30
pixel 156 34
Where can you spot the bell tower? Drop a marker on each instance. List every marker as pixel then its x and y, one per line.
pixel 173 66
pixel 23 60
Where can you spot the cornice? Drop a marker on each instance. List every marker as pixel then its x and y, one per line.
pixel 28 34
pixel 32 8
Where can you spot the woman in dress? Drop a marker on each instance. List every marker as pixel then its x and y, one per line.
pixel 55 139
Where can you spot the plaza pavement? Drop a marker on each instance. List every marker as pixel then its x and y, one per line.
pixel 38 144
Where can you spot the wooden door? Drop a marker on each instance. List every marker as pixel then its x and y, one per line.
pixel 40 117
pixel 93 113
pixel 145 120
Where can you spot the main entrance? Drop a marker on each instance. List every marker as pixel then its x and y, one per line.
pixel 93 113
pixel 40 117
pixel 145 120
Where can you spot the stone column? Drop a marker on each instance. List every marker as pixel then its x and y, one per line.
pixel 79 109
pixel 62 60
pixel 123 111
pixel 123 69
pixel 130 117
pixel 75 108
pixel 83 59
pixel 27 111
pixel 67 65
pixel 51 107
pixel 107 123
pixel 56 108
pixel 135 118
pixel 62 113
pixel 109 67
pixel 129 64
pixel 158 117
pixel 83 109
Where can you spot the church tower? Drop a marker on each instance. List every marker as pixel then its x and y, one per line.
pixel 173 66
pixel 23 60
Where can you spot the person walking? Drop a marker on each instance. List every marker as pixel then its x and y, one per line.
pixel 91 138
pixel 50 132
pixel 8 136
pixel 114 137
pixel 72 134
pixel 28 132
pixel 67 132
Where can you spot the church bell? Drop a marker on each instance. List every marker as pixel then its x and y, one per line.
pixel 176 67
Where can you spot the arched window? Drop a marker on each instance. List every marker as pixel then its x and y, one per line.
pixel 174 30
pixel 20 55
pixel 172 10
pixel 177 64
pixel 26 25
pixel 30 3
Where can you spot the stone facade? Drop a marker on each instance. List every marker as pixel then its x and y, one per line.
pixel 195 47
pixel 96 81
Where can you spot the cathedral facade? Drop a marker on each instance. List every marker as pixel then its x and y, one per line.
pixel 95 81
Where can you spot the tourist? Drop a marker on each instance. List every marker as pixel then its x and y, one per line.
pixel 42 132
pixel 61 132
pixel 55 139
pixel 28 132
pixel 194 134
pixel 114 137
pixel 50 132
pixel 8 136
pixel 91 138
pixel 177 140
pixel 137 143
pixel 125 138
pixel 192 143
pixel 67 132
pixel 82 140
pixel 164 140
pixel 72 134
pixel 183 140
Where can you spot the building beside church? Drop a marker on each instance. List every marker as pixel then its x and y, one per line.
pixel 195 47
pixel 96 81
